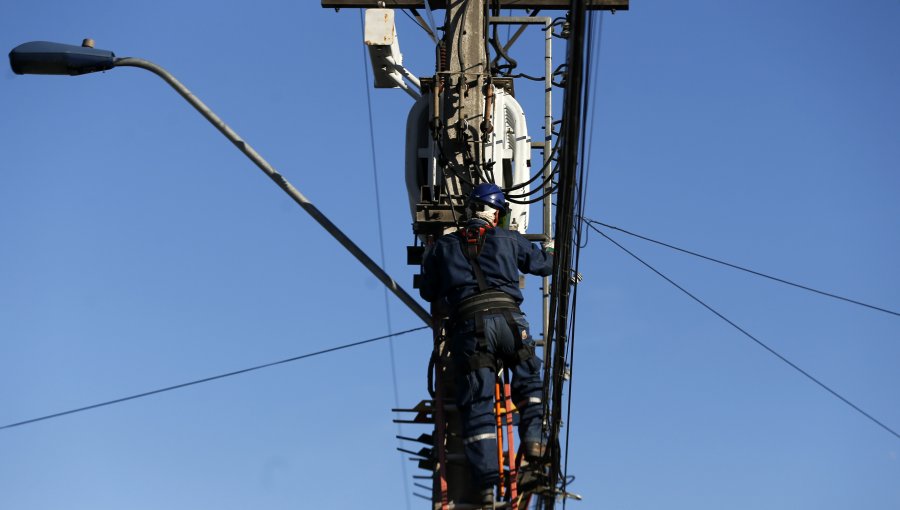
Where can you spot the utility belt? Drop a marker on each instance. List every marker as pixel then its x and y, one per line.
pixel 491 302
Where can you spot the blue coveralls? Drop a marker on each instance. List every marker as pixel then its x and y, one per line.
pixel 448 275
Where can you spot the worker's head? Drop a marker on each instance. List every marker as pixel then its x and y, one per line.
pixel 487 202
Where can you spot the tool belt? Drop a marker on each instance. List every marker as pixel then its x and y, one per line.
pixel 489 300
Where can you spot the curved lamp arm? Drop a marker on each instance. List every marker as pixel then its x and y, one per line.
pixel 53 58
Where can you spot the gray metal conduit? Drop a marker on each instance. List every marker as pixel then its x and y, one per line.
pixel 282 183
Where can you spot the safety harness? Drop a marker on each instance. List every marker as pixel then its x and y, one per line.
pixel 487 301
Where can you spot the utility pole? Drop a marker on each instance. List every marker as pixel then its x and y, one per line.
pixel 464 77
pixel 459 149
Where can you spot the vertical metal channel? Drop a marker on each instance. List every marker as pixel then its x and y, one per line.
pixel 548 153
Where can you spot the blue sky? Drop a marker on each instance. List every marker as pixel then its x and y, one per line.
pixel 140 249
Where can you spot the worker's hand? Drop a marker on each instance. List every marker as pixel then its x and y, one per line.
pixel 576 277
pixel 549 246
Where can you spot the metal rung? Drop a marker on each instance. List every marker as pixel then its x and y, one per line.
pixel 419 420
pixel 432 465
pixel 471 506
pixel 424 453
pixel 425 406
pixel 423 438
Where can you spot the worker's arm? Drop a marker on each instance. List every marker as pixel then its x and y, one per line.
pixel 531 258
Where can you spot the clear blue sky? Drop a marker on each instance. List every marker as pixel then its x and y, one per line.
pixel 139 249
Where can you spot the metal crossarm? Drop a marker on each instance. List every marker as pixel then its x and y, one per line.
pixel 605 5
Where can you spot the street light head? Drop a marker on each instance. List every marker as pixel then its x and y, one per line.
pixel 41 57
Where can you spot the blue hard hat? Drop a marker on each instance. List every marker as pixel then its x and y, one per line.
pixel 490 194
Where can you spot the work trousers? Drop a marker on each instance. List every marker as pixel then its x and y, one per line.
pixel 475 388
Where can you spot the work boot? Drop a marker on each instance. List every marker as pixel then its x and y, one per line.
pixel 487 498
pixel 534 451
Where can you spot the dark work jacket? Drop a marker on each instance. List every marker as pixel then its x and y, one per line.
pixel 447 273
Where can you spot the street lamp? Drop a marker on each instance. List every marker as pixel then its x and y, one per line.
pixel 41 57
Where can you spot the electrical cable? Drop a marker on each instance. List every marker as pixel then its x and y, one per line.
pixel 208 379
pixel 514 37
pixel 526 76
pixel 539 173
pixel 548 192
pixel 578 225
pixel 590 135
pixel 508 27
pixel 503 69
pixel 540 187
pixel 560 300
pixel 751 337
pixel 415 17
pixel 387 302
pixel 408 15
pixel 452 169
pixel 746 270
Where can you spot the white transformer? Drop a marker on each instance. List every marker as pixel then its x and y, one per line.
pixel 508 153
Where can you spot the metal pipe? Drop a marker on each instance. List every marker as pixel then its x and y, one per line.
pixel 288 188
pixel 410 76
pixel 548 152
pixel 405 72
pixel 402 85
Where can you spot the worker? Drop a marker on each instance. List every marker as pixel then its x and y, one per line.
pixel 473 273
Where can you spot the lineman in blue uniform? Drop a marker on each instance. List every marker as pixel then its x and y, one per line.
pixel 474 272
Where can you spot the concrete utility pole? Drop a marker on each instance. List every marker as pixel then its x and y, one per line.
pixel 462 112
pixel 466 78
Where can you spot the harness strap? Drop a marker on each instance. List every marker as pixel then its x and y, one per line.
pixel 473 238
pixel 481 360
pixel 476 268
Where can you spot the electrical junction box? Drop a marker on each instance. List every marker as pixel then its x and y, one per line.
pixel 384 49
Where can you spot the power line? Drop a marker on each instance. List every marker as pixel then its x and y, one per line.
pixel 735 266
pixel 589 112
pixel 751 337
pixel 208 379
pixel 387 303
pixel 571 150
